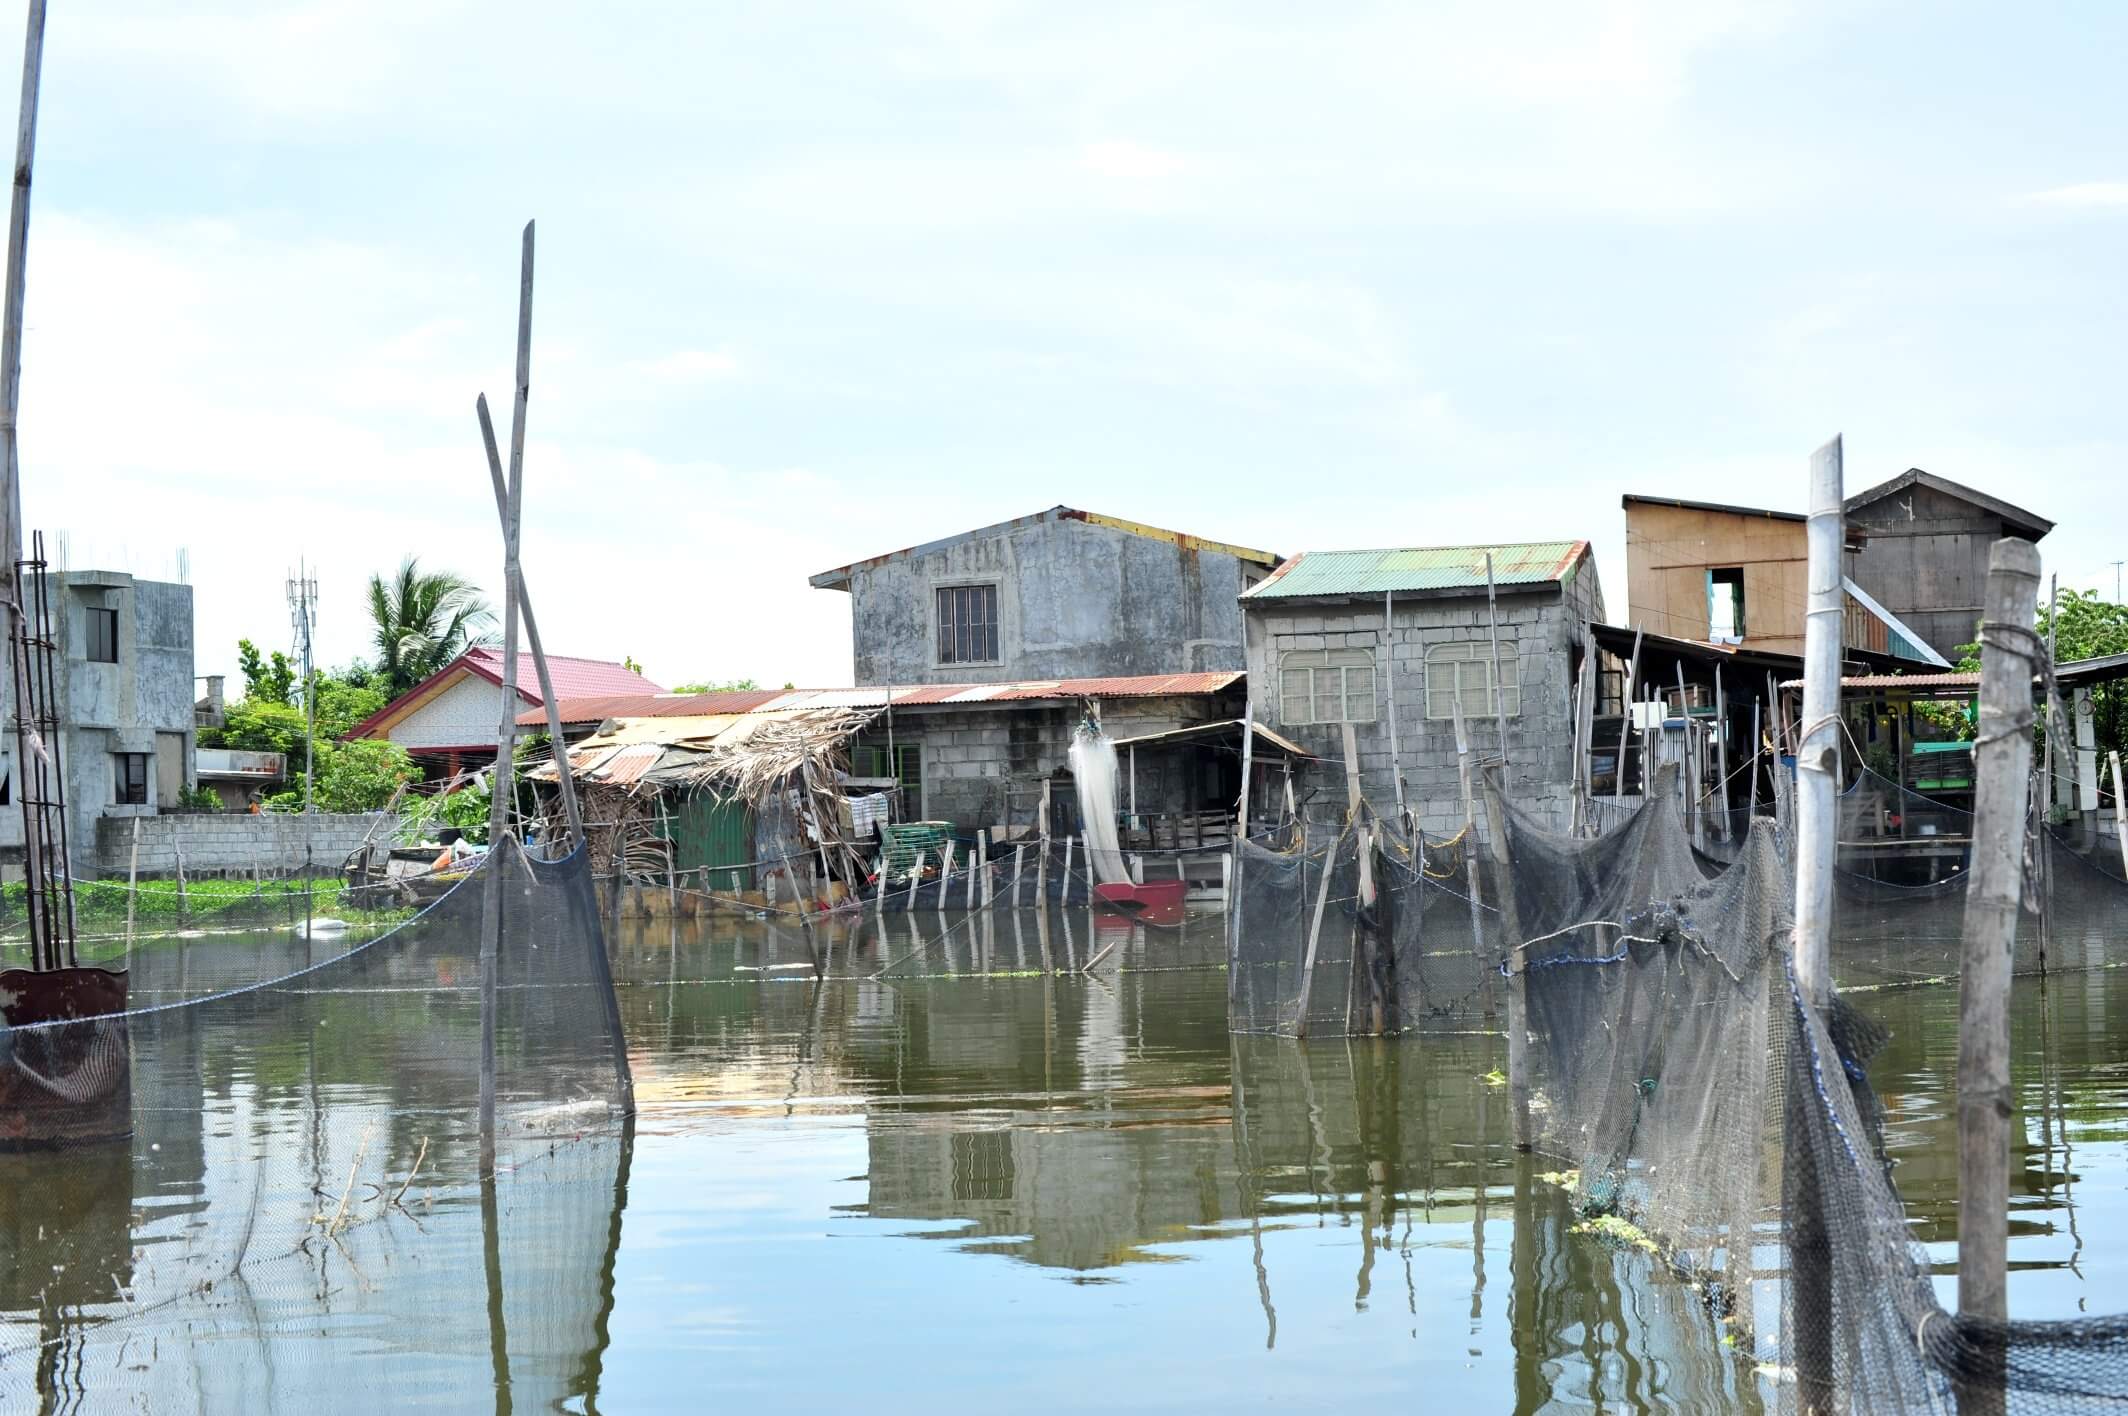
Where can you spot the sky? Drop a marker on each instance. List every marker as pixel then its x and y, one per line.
pixel 819 282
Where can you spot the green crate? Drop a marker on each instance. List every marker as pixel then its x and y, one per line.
pixel 900 844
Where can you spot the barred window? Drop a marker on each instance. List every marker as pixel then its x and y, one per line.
pixel 1326 686
pixel 1467 670
pixel 968 624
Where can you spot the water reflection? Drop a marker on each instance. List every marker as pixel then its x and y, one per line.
pixel 1086 1163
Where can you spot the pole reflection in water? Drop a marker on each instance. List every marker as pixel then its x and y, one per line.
pixel 1124 1196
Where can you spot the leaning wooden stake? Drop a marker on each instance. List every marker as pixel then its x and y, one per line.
pixel 2002 769
pixel 564 771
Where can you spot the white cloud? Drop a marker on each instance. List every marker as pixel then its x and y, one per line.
pixel 1130 160
pixel 685 367
pixel 2081 194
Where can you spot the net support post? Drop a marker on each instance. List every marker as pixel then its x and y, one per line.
pixel 1817 757
pixel 1232 882
pixel 2120 812
pixel 1470 848
pixel 1625 726
pixel 1518 1085
pixel 2003 765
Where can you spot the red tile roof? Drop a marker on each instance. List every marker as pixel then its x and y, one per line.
pixel 598 708
pixel 572 678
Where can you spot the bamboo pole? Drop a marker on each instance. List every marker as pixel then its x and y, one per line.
pixel 1241 834
pixel 2002 768
pixel 1625 726
pixel 1041 865
pixel 1315 934
pixel 1492 617
pixel 968 895
pixel 1817 758
pixel 916 880
pixel 564 770
pixel 1396 756
pixel 177 848
pixel 945 877
pixel 982 858
pixel 879 887
pixel 1756 739
pixel 1019 874
pixel 1819 742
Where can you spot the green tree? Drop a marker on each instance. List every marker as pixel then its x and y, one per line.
pixel 361 775
pixel 743 685
pixel 422 620
pixel 267 678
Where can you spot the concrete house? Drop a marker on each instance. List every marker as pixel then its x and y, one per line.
pixel 122 671
pixel 1061 594
pixel 1325 649
pixel 1926 556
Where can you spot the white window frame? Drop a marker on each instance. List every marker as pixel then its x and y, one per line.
pixel 1312 678
pixel 1466 667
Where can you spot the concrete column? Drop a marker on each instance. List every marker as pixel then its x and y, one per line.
pixel 2086 752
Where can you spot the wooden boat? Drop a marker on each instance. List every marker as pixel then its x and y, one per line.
pixel 1153 902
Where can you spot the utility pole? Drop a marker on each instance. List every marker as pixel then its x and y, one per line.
pixel 303 614
pixel 2117 581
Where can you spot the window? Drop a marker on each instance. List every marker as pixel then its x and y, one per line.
pixel 1326 686
pixel 130 770
pixel 1725 604
pixel 103 636
pixel 1467 670
pixel 968 624
pixel 869 759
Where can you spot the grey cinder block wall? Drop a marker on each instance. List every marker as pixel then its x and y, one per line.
pixel 1540 628
pixel 272 842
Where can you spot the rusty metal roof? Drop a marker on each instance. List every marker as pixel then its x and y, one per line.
pixel 1418 569
pixel 674 705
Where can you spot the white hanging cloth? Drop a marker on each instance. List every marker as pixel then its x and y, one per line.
pixel 1093 768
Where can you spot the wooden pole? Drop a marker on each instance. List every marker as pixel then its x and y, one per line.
pixel 1019 874
pixel 1721 755
pixel 879 886
pixel 1819 741
pixel 564 770
pixel 1584 727
pixel 133 867
pixel 1315 934
pixel 18 238
pixel 1625 726
pixel 1756 739
pixel 2120 812
pixel 1041 865
pixel 1069 842
pixel 982 865
pixel 1396 756
pixel 916 880
pixel 177 848
pixel 2002 768
pixel 1492 617
pixel 1241 834
pixel 968 895
pixel 1470 842
pixel 2054 753
pixel 945 877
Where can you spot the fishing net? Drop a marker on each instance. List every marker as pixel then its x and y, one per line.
pixel 1708 1113
pixel 304 1208
pixel 1313 953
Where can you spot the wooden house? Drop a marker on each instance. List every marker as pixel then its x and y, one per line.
pixel 1925 555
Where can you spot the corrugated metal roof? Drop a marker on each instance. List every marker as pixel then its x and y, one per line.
pixel 1950 680
pixel 599 709
pixel 1417 569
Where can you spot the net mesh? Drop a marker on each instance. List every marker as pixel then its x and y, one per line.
pixel 305 1190
pixel 1711 1115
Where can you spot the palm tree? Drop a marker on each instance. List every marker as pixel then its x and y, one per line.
pixel 423 620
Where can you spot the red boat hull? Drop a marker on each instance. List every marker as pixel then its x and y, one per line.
pixel 1154 902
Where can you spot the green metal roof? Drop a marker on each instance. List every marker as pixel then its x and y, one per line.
pixel 1420 568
